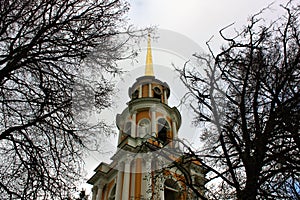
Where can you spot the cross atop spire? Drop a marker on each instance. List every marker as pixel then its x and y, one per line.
pixel 149 64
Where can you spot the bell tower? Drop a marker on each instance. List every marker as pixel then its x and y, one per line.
pixel 148 130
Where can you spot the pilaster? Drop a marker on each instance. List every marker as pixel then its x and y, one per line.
pixel 126 182
pixel 147 177
pixel 119 186
pixel 150 90
pixel 140 91
pixel 99 192
pixel 153 121
pixel 175 134
pixel 133 125
pixel 165 97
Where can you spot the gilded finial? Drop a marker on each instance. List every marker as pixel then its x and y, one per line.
pixel 149 64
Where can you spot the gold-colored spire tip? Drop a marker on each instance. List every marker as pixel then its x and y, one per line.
pixel 149 63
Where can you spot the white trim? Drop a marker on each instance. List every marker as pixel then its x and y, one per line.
pixel 175 134
pixel 153 122
pixel 172 189
pixel 126 183
pixel 133 125
pixel 150 90
pixel 141 91
pixel 174 130
pixel 165 97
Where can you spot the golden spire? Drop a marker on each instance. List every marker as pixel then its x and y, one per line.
pixel 149 64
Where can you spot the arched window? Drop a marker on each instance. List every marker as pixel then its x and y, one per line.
pixel 112 193
pixel 157 92
pixel 171 190
pixel 162 130
pixel 143 127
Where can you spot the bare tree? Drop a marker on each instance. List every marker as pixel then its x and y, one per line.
pixel 42 46
pixel 248 100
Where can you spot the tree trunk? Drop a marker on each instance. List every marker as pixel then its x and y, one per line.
pixel 250 191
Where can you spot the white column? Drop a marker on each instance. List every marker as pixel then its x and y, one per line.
pixel 119 180
pixel 153 121
pixel 147 192
pixel 144 179
pixel 133 125
pixel 133 181
pixel 141 91
pixel 126 182
pixel 150 90
pixel 175 135
pixel 99 192
pixel 165 97
pixel 120 136
pixel 174 128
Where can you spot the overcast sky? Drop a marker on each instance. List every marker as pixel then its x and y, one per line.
pixel 197 19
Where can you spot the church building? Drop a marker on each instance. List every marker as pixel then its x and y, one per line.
pixel 146 164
